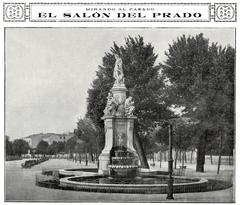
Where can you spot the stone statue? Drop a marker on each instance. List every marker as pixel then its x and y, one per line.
pixel 129 106
pixel 120 110
pixel 118 71
pixel 111 106
pixel 120 140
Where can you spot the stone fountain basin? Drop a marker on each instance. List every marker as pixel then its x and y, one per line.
pixel 87 183
pixel 124 170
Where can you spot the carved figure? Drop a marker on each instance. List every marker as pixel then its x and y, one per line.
pixel 121 109
pixel 111 106
pixel 129 106
pixel 118 71
pixel 120 140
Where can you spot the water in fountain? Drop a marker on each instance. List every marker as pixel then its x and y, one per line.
pixel 123 163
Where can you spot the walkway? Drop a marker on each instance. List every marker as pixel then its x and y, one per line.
pixel 20 186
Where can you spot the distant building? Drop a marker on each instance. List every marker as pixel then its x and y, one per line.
pixel 34 139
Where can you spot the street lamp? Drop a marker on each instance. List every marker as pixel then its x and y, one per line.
pixel 170 163
pixel 169 123
pixel 174 120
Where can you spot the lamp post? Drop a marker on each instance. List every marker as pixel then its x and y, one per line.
pixel 170 122
pixel 170 164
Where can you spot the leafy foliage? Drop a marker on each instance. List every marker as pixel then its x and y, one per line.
pixel 142 80
pixel 42 147
pixel 88 133
pixel 8 146
pixel 201 79
pixel 56 147
pixel 20 146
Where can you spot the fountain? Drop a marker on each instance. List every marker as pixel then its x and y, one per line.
pixel 123 163
pixel 119 163
pixel 118 158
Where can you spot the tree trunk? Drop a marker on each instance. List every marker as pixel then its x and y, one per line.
pixel 165 156
pixel 153 159
pixel 160 153
pixel 183 159
pixel 140 151
pixel 229 160
pixel 180 156
pixel 211 156
pixel 191 157
pixel 176 157
pixel 80 158
pixel 92 157
pixel 70 155
pixel 201 152
pixel 219 155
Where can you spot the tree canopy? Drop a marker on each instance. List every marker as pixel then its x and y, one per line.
pixel 142 80
pixel 19 147
pixel 201 78
pixel 42 147
pixel 89 134
pixel 197 76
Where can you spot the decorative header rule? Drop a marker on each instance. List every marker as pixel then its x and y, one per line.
pixel 120 12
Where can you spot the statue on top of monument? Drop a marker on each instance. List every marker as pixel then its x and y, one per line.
pixel 129 106
pixel 118 71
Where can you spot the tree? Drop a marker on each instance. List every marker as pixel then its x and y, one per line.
pixel 60 147
pixel 88 132
pixel 53 148
pixel 142 80
pixel 201 78
pixel 20 147
pixel 8 146
pixel 70 146
pixel 56 147
pixel 75 144
pixel 42 147
pixel 183 139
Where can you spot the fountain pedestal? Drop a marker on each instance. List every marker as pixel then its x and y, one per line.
pixel 115 127
pixel 118 129
pixel 118 121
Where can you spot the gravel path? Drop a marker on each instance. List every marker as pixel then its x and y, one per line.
pixel 20 186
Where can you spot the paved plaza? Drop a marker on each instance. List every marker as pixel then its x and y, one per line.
pixel 20 186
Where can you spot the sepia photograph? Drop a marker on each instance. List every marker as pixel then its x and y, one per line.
pixel 119 114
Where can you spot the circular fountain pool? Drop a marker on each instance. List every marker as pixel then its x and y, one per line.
pixel 136 180
pixel 153 182
pixel 143 184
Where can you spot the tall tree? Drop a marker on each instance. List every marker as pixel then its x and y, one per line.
pixel 42 147
pixel 88 132
pixel 20 147
pixel 53 148
pixel 201 79
pixel 143 83
pixel 8 146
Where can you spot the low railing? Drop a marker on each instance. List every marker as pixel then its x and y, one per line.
pixel 32 162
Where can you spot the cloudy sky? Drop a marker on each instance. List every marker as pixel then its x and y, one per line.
pixel 49 70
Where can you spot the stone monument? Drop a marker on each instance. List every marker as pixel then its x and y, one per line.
pixel 118 120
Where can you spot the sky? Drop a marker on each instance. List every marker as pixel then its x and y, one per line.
pixel 49 70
